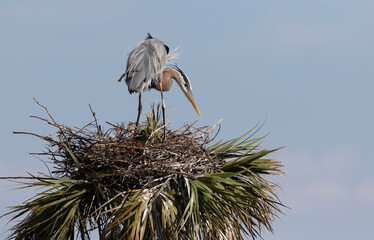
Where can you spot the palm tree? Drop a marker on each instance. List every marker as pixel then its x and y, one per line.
pixel 128 183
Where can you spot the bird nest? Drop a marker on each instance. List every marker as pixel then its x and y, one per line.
pixel 122 158
pixel 141 182
pixel 125 156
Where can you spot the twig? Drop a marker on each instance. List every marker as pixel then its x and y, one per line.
pixel 210 129
pixel 46 120
pixel 94 116
pixel 49 139
pixel 46 109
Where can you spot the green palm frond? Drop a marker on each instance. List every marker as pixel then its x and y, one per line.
pixel 151 130
pixel 55 213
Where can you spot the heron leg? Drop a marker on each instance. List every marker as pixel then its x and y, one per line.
pixel 139 110
pixel 163 110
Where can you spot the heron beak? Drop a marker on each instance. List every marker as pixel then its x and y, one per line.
pixel 185 85
pixel 191 98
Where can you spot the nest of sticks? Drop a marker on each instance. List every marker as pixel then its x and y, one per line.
pixel 125 156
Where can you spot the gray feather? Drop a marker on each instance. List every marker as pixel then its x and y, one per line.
pixel 145 64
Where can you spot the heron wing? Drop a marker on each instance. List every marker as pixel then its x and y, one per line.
pixel 145 63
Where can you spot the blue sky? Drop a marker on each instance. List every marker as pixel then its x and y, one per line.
pixel 307 67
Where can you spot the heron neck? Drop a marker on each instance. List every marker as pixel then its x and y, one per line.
pixel 165 80
pixel 174 74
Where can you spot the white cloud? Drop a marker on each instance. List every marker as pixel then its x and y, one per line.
pixel 329 191
pixel 365 192
pixel 322 183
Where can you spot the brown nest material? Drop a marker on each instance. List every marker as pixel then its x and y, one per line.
pixel 125 157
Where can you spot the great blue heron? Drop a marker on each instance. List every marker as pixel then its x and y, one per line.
pixel 146 69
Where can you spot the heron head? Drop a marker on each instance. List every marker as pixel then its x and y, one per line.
pixel 185 84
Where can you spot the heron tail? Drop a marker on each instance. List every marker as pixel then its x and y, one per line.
pixel 122 76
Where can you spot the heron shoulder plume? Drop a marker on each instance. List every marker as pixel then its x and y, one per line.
pixel 167 48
